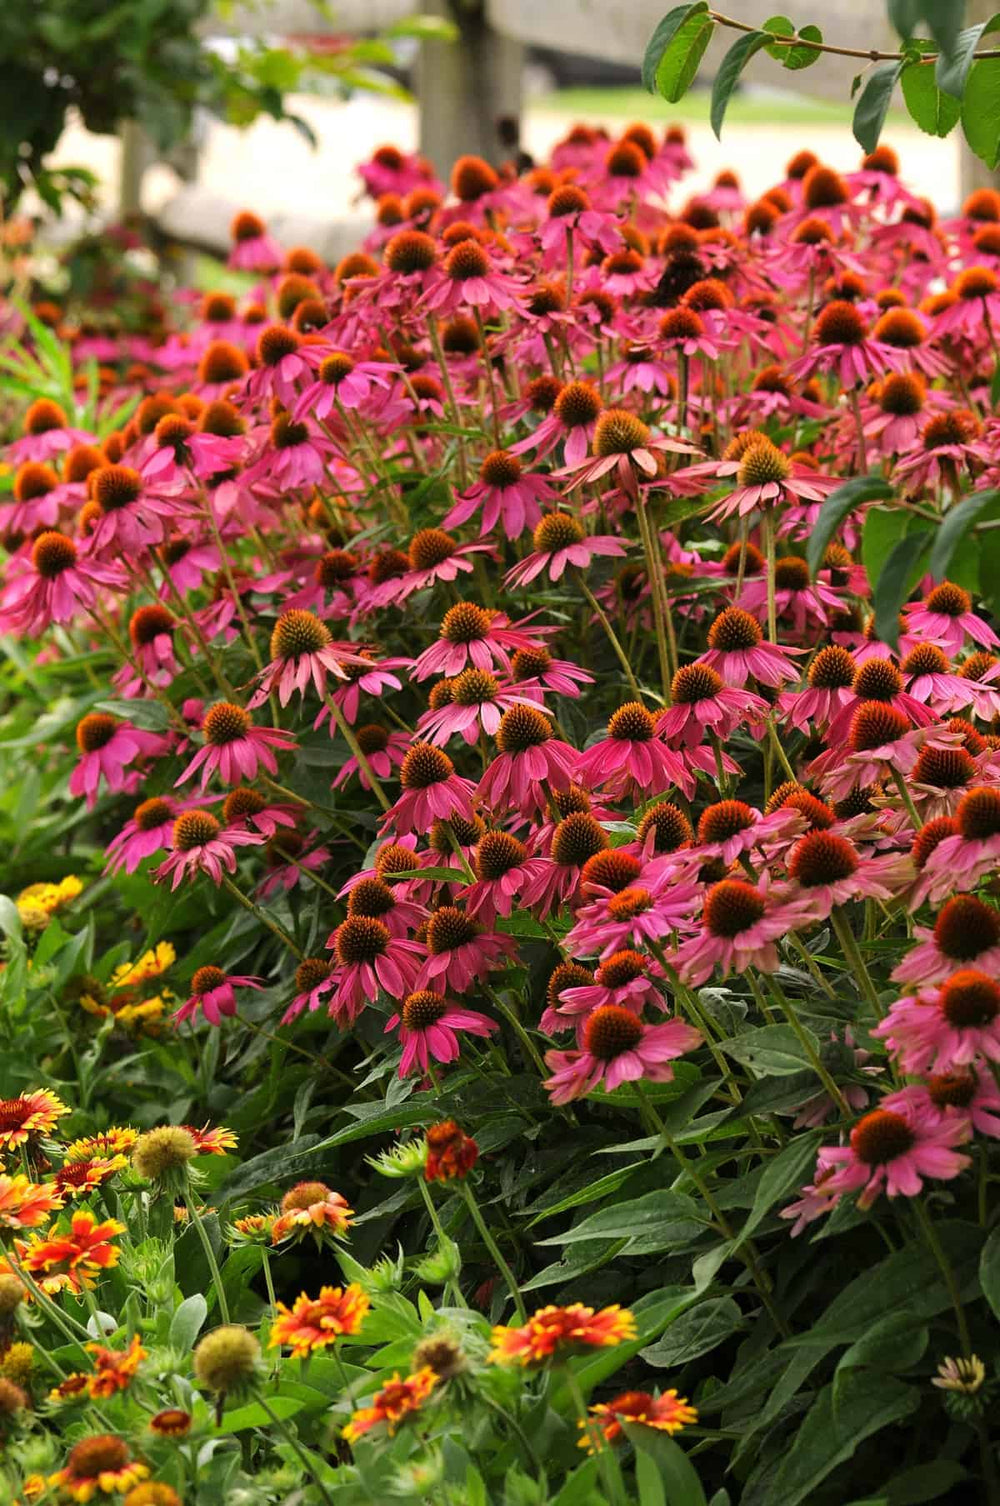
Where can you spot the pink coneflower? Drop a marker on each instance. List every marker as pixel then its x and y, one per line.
pixel 294 455
pixel 928 677
pixel 961 860
pixel 314 978
pixel 253 250
pixel 969 1096
pixel 939 781
pixel 976 305
pixel 945 617
pixel 363 673
pixel 632 757
pixel 640 370
pixel 59 579
pixel 889 1150
pixel 428 1024
pixel 841 344
pixel 684 331
pixel 830 678
pixel 213 993
pixel 302 653
pixel 46 433
pixel 576 838
pixel 618 1048
pixel 473 635
pixel 384 750
pixel 529 757
pixel 247 808
pixel 341 382
pixel 235 747
pixel 285 360
pixel 740 925
pixel 559 540
pixel 370 958
pixel 881 740
pixel 573 419
pixel 502 868
pixel 569 211
pixel 625 979
pixel 878 680
pixel 950 444
pixel 475 700
pixel 504 494
pixel 828 870
pixel 944 1027
pixel 468 279
pixel 391 904
pixel 433 556
pixel 623 444
pixel 766 476
pixel 147 831
pixel 151 631
pixel 662 900
pixel 288 856
pixel 200 845
pixel 730 828
pixel 905 329
pixel 703 703
pixel 459 951
pixel 802 602
pixel 965 934
pixel 738 653
pixel 132 515
pixel 534 670
pixel 431 789
pixel 107 746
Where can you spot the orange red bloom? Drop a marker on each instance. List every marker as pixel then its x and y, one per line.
pixel 212 1142
pixel 313 1322
pixel 33 1113
pixel 450 1152
pixel 114 1369
pixel 396 1400
pixel 554 1332
pixel 311 1206
pixel 78 1178
pixel 117 1141
pixel 25 1204
pixel 71 1257
pixel 668 1413
pixel 101 1463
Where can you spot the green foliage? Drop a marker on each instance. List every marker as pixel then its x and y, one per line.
pixel 942 77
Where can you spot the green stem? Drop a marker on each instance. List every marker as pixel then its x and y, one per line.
pixel 906 797
pixel 519 1030
pixel 347 732
pixel 852 953
pixel 443 1239
pixel 597 1440
pixel 295 1446
pixel 767 529
pixel 803 1037
pixel 258 913
pixel 213 1264
pixel 494 1249
pixel 611 636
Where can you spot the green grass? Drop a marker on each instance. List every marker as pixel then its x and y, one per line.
pixel 754 108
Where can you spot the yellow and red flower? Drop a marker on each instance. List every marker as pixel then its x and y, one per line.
pixel 396 1400
pixel 72 1387
pixel 313 1322
pixel 114 1369
pixel 25 1204
pixel 152 964
pixel 117 1141
pixel 555 1332
pixel 172 1422
pixel 71 1257
pixel 212 1142
pixel 78 1178
pixel 668 1413
pixel 33 1113
pixel 451 1152
pixel 311 1207
pixel 99 1463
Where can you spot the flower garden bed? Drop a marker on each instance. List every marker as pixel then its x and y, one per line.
pixel 501 988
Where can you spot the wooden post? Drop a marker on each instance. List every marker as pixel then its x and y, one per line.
pixel 465 87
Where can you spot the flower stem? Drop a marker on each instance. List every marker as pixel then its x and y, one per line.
pixel 767 529
pixel 258 913
pixel 347 732
pixel 494 1249
pixel 852 952
pixel 295 1446
pixel 443 1239
pixel 213 1264
pixel 803 1038
pixel 612 637
pixel 906 797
